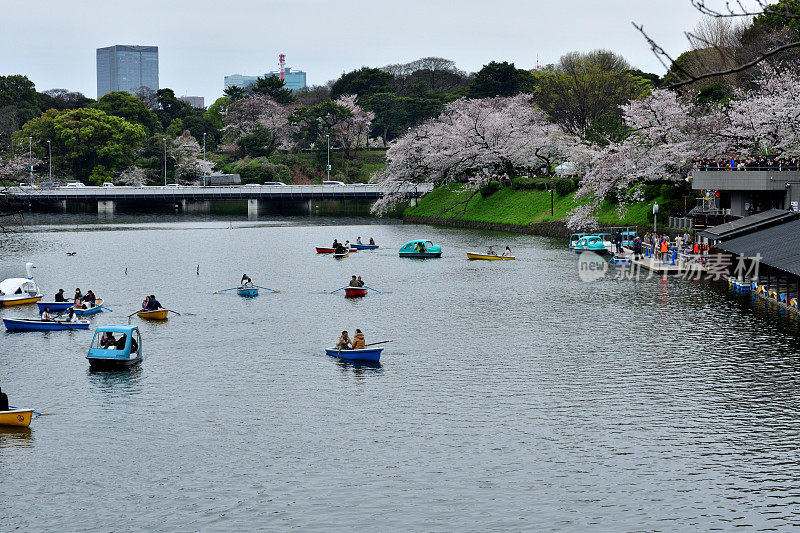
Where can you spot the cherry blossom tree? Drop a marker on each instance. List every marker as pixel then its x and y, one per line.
pixel 245 115
pixel 186 151
pixel 503 135
pixel 132 175
pixel 352 131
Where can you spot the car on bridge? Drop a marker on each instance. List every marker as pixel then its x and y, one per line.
pixel 337 183
pixel 274 184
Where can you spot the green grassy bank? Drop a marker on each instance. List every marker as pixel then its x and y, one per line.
pixel 518 207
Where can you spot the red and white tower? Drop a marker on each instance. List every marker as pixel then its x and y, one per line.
pixel 282 66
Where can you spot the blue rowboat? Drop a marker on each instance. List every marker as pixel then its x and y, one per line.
pixel 366 354
pixel 247 292
pixel 54 306
pixel 90 310
pixel 36 324
pixel 123 351
pixel 364 246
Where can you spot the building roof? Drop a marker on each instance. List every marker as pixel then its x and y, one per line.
pixel 749 224
pixel 778 246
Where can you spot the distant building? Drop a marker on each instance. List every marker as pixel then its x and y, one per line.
pixel 194 101
pixel 126 68
pixel 294 79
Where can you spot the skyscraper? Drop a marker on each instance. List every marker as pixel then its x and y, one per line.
pixel 126 68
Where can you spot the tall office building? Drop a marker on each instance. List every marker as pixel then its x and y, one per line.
pixel 126 68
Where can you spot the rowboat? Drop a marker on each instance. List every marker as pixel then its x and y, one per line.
pixel 339 256
pixel 54 306
pixel 91 310
pixel 486 257
pixel 156 314
pixel 331 250
pixel 16 417
pixel 420 248
pixel 37 324
pixel 101 356
pixel 365 246
pixel 365 354
pixel 354 292
pixel 20 291
pixel 247 292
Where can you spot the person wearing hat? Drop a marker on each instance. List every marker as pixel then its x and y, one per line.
pixel 60 296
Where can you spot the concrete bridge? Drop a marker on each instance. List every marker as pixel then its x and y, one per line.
pixel 198 199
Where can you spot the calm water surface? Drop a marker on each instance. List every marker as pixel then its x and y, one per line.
pixel 517 398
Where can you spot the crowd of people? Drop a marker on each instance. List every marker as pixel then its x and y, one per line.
pixel 662 245
pixel 749 163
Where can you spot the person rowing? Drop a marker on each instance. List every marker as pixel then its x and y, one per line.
pixel 246 282
pixel 153 304
pixel 358 240
pixel 354 282
pixel 491 251
pixel 344 342
pixel 89 299
pixel 340 250
pixel 371 241
pixel 46 316
pixel 71 317
pixel 335 244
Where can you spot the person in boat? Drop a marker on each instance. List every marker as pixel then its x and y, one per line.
pixel 119 344
pixel 354 281
pixel 420 247
pixel 71 316
pixel 371 241
pixel 360 282
pixel 154 304
pixel 89 299
pixel 358 341
pixel 107 340
pixel 78 296
pixel 59 297
pixel 344 342
pixel 134 345
pixel 3 401
pixel 145 302
pixel 347 245
pixel 507 252
pixel 340 249
pixel 358 240
pixel 491 251
pixel 46 314
pixel 335 244
pixel 246 281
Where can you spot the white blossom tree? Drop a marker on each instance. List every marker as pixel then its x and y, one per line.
pixel 498 134
pixel 353 130
pixel 245 115
pixel 133 176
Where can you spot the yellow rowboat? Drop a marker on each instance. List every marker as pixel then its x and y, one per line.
pixel 11 301
pixel 16 417
pixel 472 257
pixel 158 314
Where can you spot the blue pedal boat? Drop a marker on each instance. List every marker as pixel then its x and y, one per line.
pixel 123 351
pixel 247 292
pixel 37 324
pixel 364 246
pixel 365 354
pixel 420 248
pixel 54 306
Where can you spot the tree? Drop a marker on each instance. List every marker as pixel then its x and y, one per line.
pixel 502 135
pixel 125 105
pixel 170 107
pixel 312 124
pixel 362 82
pixel 62 99
pixel 20 92
pixel 87 138
pixel 353 130
pixel 215 113
pixel 235 93
pixel 315 94
pixel 186 152
pixel 247 115
pixel 585 87
pixel 426 76
pixel 274 87
pixel 133 176
pixel 394 115
pixel 500 79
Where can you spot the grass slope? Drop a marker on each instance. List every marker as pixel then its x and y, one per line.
pixel 519 207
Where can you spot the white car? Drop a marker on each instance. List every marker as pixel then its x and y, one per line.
pixel 108 184
pixel 74 185
pixel 274 184
pixel 337 183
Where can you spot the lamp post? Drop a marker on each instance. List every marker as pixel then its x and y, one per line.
pixel 204 159
pixel 30 154
pixel 50 160
pixel 328 167
pixel 165 161
pixel 655 214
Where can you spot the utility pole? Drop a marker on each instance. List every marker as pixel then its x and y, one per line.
pixel 204 158
pixel 30 155
pixel 328 168
pixel 165 161
pixel 50 160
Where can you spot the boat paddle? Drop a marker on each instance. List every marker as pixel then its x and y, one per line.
pixel 106 308
pixel 35 412
pixel 130 315
pixel 177 313
pixel 265 288
pixel 370 288
pixel 337 290
pixel 226 290
pixel 381 342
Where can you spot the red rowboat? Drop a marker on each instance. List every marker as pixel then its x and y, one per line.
pixel 354 292
pixel 330 250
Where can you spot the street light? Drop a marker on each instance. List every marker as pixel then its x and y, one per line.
pixel 30 155
pixel 50 160
pixel 165 161
pixel 328 168
pixel 204 159
pixel 655 214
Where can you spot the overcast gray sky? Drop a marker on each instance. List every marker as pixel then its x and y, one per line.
pixel 201 41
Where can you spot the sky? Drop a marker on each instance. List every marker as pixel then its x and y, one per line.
pixel 201 41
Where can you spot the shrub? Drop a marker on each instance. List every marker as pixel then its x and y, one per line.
pixel 542 184
pixel 651 192
pixel 260 169
pixel 523 184
pixel 490 188
pixel 564 186
pixel 668 191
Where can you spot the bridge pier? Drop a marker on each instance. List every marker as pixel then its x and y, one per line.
pixel 192 206
pixel 105 207
pixel 252 209
pixel 63 206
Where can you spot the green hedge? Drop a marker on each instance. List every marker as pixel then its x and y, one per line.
pixel 564 186
pixel 490 188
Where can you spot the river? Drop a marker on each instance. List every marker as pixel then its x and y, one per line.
pixel 518 397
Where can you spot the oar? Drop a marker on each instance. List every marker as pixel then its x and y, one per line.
pixel 106 308
pixel 177 313
pixel 62 323
pixel 370 288
pixel 226 290
pixel 337 290
pixel 130 315
pixel 381 342
pixel 265 288
pixel 35 412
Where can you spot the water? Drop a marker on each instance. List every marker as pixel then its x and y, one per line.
pixel 517 398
